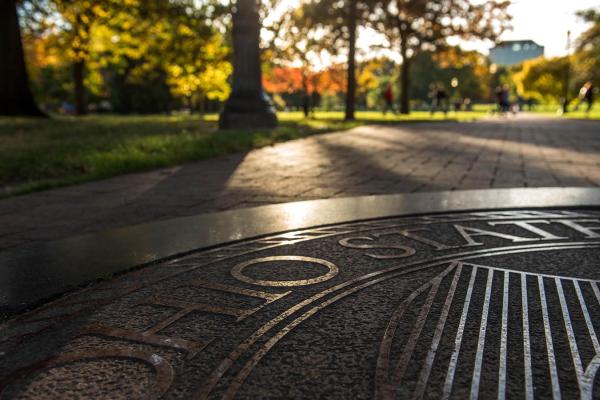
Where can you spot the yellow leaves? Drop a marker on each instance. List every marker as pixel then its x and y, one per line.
pixel 214 81
pixel 210 81
pixel 185 30
pixel 542 78
pixel 41 52
pixel 99 11
pixel 367 77
pixel 367 80
pixel 175 70
pixel 134 38
pixel 82 35
pixel 128 24
pixel 94 82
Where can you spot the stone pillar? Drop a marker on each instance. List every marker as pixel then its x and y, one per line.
pixel 248 106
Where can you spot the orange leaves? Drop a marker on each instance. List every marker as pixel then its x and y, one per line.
pixel 293 79
pixel 283 80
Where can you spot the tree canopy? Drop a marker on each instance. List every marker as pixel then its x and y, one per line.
pixel 118 49
pixel 545 79
pixel 416 25
pixel 148 56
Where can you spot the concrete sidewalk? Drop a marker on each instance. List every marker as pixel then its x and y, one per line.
pixel 493 153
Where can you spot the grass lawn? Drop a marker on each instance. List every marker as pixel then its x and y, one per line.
pixel 37 154
pixel 553 110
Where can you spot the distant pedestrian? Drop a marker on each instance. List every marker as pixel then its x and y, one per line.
pixel 502 99
pixel 458 103
pixel 498 96
pixel 388 98
pixel 520 103
pixel 439 99
pixel 586 95
pixel 467 104
pixel 505 98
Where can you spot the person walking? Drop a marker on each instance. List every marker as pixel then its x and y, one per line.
pixel 498 96
pixel 440 99
pixel 388 98
pixel 586 95
pixel 505 98
pixel 502 99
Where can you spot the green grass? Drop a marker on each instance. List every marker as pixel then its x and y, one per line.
pixel 37 154
pixel 554 110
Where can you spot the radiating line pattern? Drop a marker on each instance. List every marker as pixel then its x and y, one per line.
pixel 476 331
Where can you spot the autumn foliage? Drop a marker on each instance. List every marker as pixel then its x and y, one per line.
pixel 292 79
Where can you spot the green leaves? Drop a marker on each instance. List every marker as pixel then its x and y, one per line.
pixel 179 43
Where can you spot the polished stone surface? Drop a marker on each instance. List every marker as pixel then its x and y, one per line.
pixel 398 300
pixel 33 274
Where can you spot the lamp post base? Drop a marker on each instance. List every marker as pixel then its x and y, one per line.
pixel 245 120
pixel 244 111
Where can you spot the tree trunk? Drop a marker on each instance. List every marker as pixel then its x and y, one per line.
pixel 201 107
pixel 404 87
pixel 404 77
pixel 351 87
pixel 565 100
pixel 15 95
pixel 305 98
pixel 79 88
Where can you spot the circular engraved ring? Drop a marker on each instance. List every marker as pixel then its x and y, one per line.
pixel 237 271
pixel 164 370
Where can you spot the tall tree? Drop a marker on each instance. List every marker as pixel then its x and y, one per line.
pixel 154 38
pixel 470 68
pixel 15 95
pixel 115 49
pixel 80 16
pixel 73 21
pixel 338 23
pixel 587 57
pixel 352 33
pixel 413 25
pixel 543 79
pixel 293 43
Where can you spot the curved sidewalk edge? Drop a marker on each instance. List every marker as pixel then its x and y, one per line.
pixel 33 274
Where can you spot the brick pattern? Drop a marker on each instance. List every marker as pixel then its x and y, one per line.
pixel 495 153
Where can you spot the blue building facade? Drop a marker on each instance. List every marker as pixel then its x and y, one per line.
pixel 513 52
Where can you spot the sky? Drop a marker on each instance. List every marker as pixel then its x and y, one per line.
pixel 544 21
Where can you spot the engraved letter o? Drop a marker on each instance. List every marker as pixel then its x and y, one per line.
pixel 237 271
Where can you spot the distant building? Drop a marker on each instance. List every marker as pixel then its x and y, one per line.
pixel 515 51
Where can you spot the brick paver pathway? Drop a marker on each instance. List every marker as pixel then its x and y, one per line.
pixel 496 153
